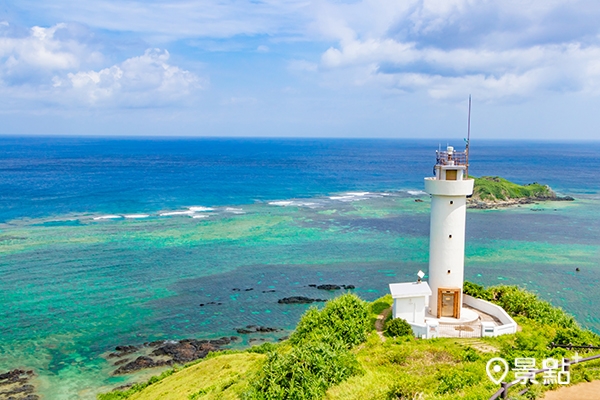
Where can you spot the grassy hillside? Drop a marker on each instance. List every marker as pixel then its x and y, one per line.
pixel 494 189
pixel 335 354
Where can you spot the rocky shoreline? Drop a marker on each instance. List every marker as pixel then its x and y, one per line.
pixel 16 385
pixel 487 204
pixel 126 359
pixel 131 358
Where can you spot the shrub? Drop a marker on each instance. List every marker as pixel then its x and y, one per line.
pixel 398 327
pixel 344 319
pixel 577 337
pixel 305 372
pixel 478 291
pixel 519 302
pixel 319 357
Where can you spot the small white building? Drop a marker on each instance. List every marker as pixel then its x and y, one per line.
pixel 410 300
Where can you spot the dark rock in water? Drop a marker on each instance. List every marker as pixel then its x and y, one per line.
pixel 236 289
pixel 329 287
pixel 418 201
pixel 234 338
pixel 221 341
pixel 281 339
pixel 298 300
pixel 256 329
pixel 249 289
pixel 121 361
pixel 268 291
pixel 333 287
pixel 212 303
pixel 577 269
pixel 312 285
pixel 187 350
pixel 126 349
pixel 122 351
pixel 172 352
pixel 16 385
pixel 142 362
pixel 565 198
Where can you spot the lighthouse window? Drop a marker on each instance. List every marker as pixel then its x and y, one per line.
pixel 450 236
pixel 448 271
pixel 451 202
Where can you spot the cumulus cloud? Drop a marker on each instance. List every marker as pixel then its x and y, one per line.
pixel 57 65
pixel 450 48
pixel 147 80
pixel 33 55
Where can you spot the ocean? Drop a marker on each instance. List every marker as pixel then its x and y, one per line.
pixel 107 242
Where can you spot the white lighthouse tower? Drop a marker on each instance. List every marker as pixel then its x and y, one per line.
pixel 449 189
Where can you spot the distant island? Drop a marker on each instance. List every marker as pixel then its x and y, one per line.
pixel 494 192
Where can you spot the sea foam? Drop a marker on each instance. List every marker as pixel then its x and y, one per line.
pixel 166 214
pixel 107 217
pixel 200 208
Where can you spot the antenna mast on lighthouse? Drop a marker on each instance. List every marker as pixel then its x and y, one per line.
pixel 468 138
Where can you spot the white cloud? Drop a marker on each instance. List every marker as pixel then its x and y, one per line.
pixel 39 53
pixel 450 48
pixel 147 80
pixel 56 65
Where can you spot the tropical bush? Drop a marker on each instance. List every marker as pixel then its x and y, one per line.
pixel 319 356
pixel 344 319
pixel 306 372
pixel 398 327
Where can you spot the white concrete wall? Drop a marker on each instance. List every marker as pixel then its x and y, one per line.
pixel 447 234
pixel 412 309
pixel 508 324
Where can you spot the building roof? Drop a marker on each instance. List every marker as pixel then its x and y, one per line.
pixel 409 289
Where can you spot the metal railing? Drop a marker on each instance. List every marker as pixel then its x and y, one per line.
pixel 450 158
pixel 502 393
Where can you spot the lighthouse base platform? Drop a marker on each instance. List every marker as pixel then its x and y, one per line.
pixel 479 318
pixel 467 316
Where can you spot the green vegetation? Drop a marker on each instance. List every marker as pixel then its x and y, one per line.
pixel 335 354
pixel 494 188
pixel 398 327
pixel 319 355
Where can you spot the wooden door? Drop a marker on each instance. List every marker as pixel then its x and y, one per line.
pixel 448 303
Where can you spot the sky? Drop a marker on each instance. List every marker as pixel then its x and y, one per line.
pixel 301 68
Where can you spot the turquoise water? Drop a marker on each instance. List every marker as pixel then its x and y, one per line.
pixel 74 286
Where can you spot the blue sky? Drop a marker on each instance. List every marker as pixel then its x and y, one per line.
pixel 372 68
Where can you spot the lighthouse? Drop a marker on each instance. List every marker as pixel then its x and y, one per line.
pixel 449 189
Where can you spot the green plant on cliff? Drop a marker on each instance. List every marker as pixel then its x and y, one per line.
pixel 397 327
pixel 319 356
pixel 494 188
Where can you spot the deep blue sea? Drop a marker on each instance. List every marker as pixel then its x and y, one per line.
pixel 117 241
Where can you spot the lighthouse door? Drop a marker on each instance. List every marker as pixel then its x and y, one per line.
pixel 448 303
